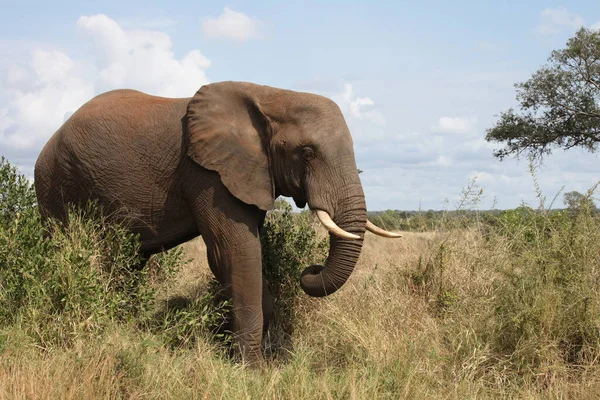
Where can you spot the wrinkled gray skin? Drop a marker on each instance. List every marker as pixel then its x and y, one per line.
pixel 212 165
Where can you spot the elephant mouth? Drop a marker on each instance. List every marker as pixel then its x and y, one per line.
pixel 300 202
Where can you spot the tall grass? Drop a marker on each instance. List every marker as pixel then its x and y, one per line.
pixel 499 306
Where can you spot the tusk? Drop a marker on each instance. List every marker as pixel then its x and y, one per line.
pixel 371 227
pixel 332 227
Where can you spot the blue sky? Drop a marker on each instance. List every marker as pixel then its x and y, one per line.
pixel 418 82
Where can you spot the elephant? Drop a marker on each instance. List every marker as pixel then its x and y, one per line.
pixel 213 165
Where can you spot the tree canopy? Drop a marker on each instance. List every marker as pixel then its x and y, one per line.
pixel 575 200
pixel 559 104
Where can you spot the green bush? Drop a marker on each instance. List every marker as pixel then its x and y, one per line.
pixel 22 246
pixel 17 197
pixel 181 320
pixel 75 283
pixel 290 243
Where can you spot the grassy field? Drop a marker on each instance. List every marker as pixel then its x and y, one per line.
pixel 394 331
pixel 506 307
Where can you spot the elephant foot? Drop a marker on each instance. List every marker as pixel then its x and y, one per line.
pixel 252 358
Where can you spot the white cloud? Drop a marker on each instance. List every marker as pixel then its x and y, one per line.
pixel 482 177
pixel 443 161
pixel 147 22
pixel 15 75
pixel 232 25
pixel 141 59
pixel 556 20
pixel 455 125
pixel 365 121
pixel 360 108
pixel 35 112
pixel 41 91
pixel 5 120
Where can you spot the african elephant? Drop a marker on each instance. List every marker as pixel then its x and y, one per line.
pixel 212 165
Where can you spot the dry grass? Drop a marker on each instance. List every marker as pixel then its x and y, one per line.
pixel 404 326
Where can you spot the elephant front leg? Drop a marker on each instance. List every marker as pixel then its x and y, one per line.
pixel 230 229
pixel 234 256
pixel 246 284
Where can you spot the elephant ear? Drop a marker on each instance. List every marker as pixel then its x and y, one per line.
pixel 227 132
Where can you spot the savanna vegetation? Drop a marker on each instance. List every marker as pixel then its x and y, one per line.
pixel 470 305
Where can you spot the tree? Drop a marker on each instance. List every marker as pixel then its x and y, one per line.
pixel 575 200
pixel 559 103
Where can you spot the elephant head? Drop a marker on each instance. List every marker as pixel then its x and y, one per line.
pixel 265 142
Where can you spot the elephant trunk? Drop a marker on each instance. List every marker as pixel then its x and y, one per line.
pixel 319 281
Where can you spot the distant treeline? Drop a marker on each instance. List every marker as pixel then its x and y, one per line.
pixel 430 220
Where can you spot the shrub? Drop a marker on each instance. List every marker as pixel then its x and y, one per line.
pixel 75 283
pixel 17 196
pixel 526 292
pixel 78 282
pixel 181 320
pixel 290 243
pixel 22 246
pixel 519 290
pixel 548 303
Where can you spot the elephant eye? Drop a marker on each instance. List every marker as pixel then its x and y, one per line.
pixel 308 153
